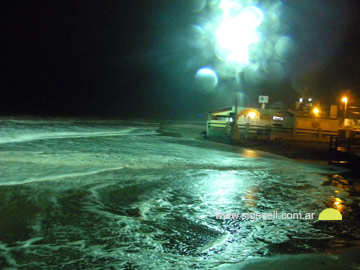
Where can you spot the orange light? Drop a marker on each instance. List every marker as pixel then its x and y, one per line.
pixel 344 99
pixel 316 111
pixel 338 204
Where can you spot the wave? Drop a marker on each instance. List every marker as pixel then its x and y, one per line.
pixel 16 138
pixel 58 177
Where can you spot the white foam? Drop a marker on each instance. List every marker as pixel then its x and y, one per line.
pixel 12 138
pixel 58 177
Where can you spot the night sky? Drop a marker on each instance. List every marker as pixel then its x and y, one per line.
pixel 127 59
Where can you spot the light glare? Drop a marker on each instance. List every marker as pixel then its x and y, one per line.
pixel 235 34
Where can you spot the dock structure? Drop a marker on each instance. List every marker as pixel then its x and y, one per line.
pixel 268 124
pixel 347 141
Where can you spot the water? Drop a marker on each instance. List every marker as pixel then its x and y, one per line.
pixel 103 195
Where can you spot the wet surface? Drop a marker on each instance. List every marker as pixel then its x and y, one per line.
pixel 106 196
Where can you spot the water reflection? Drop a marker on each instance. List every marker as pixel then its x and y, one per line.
pixel 250 198
pixel 222 189
pixel 227 191
pixel 342 192
pixel 338 204
pixel 346 200
pixel 339 182
pixel 250 153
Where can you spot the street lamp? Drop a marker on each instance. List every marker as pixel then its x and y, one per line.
pixel 252 115
pixel 316 112
pixel 247 41
pixel 345 100
pixel 234 35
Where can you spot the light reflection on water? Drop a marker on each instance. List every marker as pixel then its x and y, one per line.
pixel 338 204
pixel 346 199
pixel 250 153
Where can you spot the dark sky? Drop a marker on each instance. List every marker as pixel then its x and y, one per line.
pixel 131 58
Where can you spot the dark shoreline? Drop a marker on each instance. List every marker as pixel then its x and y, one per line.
pixel 291 149
pixel 302 151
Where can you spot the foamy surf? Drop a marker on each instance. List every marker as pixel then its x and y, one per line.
pixel 19 138
pixel 95 196
pixel 58 177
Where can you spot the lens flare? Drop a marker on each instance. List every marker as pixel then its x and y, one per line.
pixel 233 36
pixel 206 78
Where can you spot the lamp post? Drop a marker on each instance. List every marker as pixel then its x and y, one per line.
pixel 235 130
pixel 240 46
pixel 316 112
pixel 345 100
pixel 235 33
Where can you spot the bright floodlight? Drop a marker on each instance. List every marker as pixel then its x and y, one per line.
pixel 344 99
pixel 236 33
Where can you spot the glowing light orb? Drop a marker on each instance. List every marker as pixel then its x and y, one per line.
pixel 252 16
pixel 252 115
pixel 197 5
pixel 228 6
pixel 206 78
pixel 197 37
pixel 284 47
pixel 236 33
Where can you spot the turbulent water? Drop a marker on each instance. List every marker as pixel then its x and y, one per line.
pixel 103 195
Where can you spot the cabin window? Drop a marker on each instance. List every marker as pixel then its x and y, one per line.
pixel 278 118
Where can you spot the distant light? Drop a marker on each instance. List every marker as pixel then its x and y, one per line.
pixel 310 99
pixel 252 115
pixel 344 99
pixel 278 118
pixel 316 111
pixel 231 120
pixel 301 100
